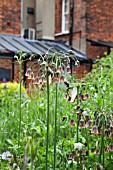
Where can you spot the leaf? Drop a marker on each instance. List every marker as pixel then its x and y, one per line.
pixel 73 94
pixel 10 142
pixel 24 55
pixel 19 51
pixel 16 57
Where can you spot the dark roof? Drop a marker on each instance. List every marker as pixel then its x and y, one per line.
pixel 100 43
pixel 9 43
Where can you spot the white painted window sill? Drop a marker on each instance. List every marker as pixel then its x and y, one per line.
pixel 61 33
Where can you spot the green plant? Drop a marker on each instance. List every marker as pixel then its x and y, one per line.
pixel 11 89
pixel 80 121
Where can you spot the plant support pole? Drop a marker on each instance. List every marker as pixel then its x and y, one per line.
pixel 55 130
pixel 47 133
pixel 20 92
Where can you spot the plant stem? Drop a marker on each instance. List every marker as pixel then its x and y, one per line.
pixel 47 133
pixel 102 143
pixel 55 130
pixel 88 145
pixel 20 92
pixel 77 123
pixel 109 156
pixel 77 115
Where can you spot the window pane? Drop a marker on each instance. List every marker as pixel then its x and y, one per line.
pixel 65 12
pixel 5 73
pixel 66 8
pixel 66 1
pixel 66 26
pixel 66 18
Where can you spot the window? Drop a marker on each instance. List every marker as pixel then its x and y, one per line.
pixel 5 73
pixel 30 10
pixel 65 13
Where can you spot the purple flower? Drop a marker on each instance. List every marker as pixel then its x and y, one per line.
pixel 72 123
pixel 5 87
pixel 111 146
pixel 23 94
pixel 4 80
pixel 82 124
pixel 63 119
pixel 16 95
pixel 90 123
pixel 6 155
pixel 94 130
pixel 97 152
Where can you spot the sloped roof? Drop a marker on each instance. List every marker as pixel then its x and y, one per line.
pixel 100 43
pixel 9 43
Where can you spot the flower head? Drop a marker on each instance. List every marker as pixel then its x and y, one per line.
pixel 97 152
pixel 16 95
pixel 63 119
pixel 28 72
pixel 5 87
pixel 94 130
pixel 4 80
pixel 90 123
pixel 72 123
pixel 78 146
pixel 6 155
pixel 23 94
pixel 111 146
pixel 82 124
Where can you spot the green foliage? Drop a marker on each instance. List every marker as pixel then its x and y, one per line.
pixel 92 114
pixel 10 89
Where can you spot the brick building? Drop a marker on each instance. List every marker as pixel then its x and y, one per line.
pixel 91 25
pixel 15 17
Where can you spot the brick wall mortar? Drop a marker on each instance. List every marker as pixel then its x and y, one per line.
pixel 10 13
pixel 92 19
pixel 99 21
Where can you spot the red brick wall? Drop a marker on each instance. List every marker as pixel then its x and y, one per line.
pixel 10 13
pixel 78 25
pixel 16 72
pixel 93 19
pixel 58 16
pixel 95 51
pixel 99 20
pixel 82 70
pixel 6 63
pixel 99 24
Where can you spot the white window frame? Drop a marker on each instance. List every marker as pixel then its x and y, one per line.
pixel 64 14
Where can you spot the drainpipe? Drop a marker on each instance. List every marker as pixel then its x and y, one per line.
pixel 108 51
pixel 22 4
pixel 12 69
pixel 71 22
pixel 71 31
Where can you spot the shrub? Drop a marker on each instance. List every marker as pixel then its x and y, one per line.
pixel 10 89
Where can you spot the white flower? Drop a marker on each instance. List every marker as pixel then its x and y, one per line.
pixel 78 146
pixel 6 155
